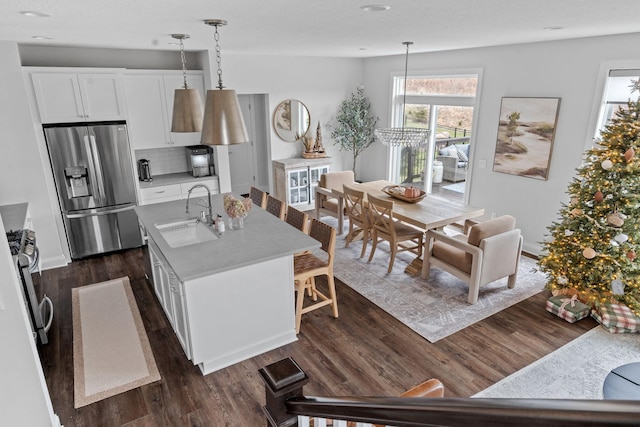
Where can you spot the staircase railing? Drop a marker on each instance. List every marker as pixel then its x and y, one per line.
pixel 285 402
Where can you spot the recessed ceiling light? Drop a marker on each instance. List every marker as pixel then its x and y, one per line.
pixel 42 38
pixel 34 14
pixel 553 28
pixel 375 8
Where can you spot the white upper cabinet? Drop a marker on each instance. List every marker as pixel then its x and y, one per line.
pixel 146 104
pixel 150 107
pixel 64 97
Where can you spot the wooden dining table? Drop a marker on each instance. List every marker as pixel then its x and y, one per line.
pixel 431 212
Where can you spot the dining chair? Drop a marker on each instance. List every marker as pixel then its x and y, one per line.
pixel 359 224
pixel 486 252
pixel 297 219
pixel 258 197
pixel 275 207
pixel 326 202
pixel 401 236
pixel 307 266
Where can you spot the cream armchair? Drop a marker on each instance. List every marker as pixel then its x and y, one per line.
pixel 327 202
pixel 488 251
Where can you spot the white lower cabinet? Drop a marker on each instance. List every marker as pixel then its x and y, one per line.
pixel 167 193
pixel 170 293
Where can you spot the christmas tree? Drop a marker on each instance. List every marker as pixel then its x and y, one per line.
pixel 591 250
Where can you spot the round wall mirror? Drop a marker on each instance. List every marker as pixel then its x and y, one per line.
pixel 291 120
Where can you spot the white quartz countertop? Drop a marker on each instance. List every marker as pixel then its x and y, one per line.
pixel 174 178
pixel 264 237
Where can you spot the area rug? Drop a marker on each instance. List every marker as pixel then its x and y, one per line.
pixel 434 308
pixel 111 351
pixel 458 187
pixel 576 370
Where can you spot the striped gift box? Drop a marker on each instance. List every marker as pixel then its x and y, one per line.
pixel 567 308
pixel 617 318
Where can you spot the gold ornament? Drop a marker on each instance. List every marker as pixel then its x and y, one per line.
pixel 589 253
pixel 576 212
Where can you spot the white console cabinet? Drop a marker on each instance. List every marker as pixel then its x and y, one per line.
pixel 149 99
pixel 64 97
pixel 295 180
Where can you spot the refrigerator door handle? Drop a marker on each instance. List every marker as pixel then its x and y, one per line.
pixel 93 149
pixel 98 213
pixel 95 189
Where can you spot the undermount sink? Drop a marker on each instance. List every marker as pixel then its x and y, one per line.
pixel 185 232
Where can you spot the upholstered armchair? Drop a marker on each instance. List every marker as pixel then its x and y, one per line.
pixel 329 203
pixel 455 161
pixel 486 252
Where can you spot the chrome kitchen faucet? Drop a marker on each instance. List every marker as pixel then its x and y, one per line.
pixel 209 218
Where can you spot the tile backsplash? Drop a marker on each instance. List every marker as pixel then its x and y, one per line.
pixel 165 160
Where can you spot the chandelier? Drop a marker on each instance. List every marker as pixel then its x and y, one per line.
pixel 223 123
pixel 187 105
pixel 403 136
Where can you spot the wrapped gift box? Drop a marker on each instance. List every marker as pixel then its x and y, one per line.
pixel 568 308
pixel 617 318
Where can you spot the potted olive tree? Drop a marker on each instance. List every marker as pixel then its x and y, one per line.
pixel 354 125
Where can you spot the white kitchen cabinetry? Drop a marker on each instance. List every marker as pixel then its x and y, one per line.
pixel 167 193
pixel 149 99
pixel 296 180
pixel 160 193
pixel 170 293
pixel 64 97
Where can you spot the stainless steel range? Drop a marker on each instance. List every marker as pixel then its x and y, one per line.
pixel 23 247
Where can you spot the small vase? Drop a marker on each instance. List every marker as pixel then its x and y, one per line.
pixel 237 223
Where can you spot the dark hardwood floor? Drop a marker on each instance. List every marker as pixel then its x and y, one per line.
pixel 364 352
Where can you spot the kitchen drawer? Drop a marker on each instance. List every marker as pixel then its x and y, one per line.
pixel 211 183
pixel 162 193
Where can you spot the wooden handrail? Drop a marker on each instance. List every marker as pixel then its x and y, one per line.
pixel 413 411
pixel 284 381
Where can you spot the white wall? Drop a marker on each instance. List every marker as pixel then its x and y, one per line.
pixel 566 69
pixel 22 176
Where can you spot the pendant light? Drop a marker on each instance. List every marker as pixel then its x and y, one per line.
pixel 402 136
pixel 223 123
pixel 187 105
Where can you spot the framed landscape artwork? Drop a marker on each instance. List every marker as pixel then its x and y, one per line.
pixel 526 131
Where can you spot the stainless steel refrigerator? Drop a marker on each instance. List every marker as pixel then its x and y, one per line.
pixel 94 178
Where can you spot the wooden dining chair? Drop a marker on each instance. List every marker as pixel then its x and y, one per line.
pixel 275 207
pixel 308 265
pixel 401 236
pixel 258 197
pixel 359 224
pixel 297 219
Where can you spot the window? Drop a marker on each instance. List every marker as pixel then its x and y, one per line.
pixel 617 94
pixel 443 103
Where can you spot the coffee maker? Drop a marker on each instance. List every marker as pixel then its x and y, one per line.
pixel 200 160
pixel 144 170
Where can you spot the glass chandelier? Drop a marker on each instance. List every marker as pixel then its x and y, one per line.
pixel 187 105
pixel 403 136
pixel 223 122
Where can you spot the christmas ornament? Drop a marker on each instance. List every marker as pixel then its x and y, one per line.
pixel 628 155
pixel 615 219
pixel 631 255
pixel 621 238
pixel 562 280
pixel 609 196
pixel 598 196
pixel 576 212
pixel 590 253
pixel 568 232
pixel 574 200
pixel 606 164
pixel 617 287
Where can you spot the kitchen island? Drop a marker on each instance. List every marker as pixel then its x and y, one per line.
pixel 230 298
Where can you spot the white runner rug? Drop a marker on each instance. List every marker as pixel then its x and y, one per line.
pixel 111 351
pixel 576 370
pixel 434 308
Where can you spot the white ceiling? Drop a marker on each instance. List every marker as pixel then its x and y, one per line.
pixel 337 28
